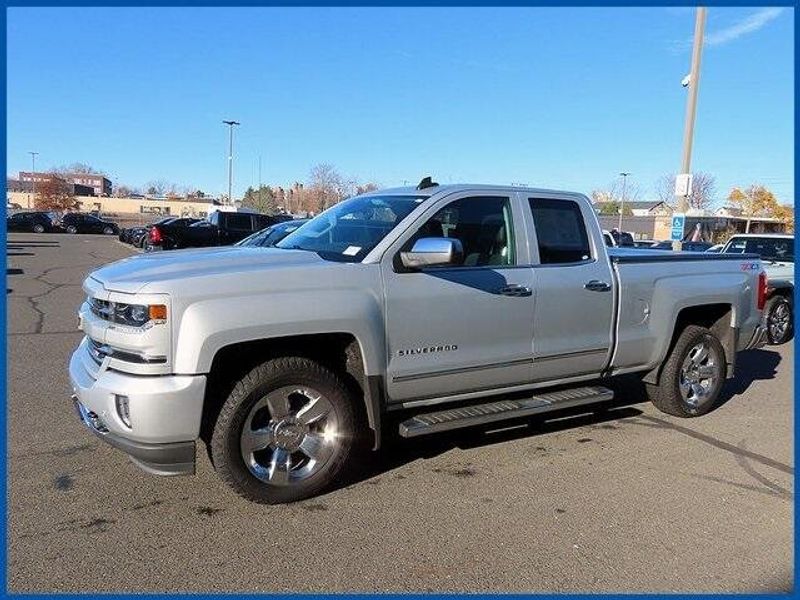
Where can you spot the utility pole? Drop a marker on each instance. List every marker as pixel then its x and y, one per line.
pixel 230 125
pixel 691 107
pixel 33 177
pixel 260 206
pixel 622 202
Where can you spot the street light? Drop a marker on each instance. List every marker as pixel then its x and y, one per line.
pixel 230 125
pixel 33 176
pixel 691 82
pixel 622 202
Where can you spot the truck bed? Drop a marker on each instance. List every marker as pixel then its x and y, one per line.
pixel 633 255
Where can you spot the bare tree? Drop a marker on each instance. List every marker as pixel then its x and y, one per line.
pixel 613 193
pixel 704 186
pixel 78 167
pixel 326 187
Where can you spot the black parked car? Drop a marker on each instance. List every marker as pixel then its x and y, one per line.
pixel 266 238
pixel 36 222
pixel 221 229
pixel 83 223
pixel 166 233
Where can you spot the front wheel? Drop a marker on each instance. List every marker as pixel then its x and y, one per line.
pixel 778 313
pixel 72 229
pixel 108 231
pixel 285 431
pixel 38 228
pixel 692 376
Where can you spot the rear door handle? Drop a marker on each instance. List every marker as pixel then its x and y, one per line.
pixel 595 285
pixel 515 290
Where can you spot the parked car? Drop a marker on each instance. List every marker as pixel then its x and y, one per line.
pixel 423 303
pixel 608 239
pixel 36 222
pixel 222 228
pixel 685 246
pixel 166 234
pixel 266 238
pixel 75 222
pixel 777 252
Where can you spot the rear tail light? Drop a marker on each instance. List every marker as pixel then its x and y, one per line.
pixel 155 235
pixel 762 290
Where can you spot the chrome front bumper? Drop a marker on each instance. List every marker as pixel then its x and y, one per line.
pixel 161 419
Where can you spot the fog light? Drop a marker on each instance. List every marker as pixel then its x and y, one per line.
pixel 123 409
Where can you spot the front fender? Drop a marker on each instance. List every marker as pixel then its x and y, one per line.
pixel 208 325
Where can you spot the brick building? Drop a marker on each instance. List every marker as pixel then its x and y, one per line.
pixel 99 184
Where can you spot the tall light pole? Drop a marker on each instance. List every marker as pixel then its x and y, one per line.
pixel 691 107
pixel 622 201
pixel 230 125
pixel 33 177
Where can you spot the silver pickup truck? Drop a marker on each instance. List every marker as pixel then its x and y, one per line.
pixel 429 308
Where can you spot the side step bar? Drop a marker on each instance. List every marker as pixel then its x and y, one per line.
pixel 479 414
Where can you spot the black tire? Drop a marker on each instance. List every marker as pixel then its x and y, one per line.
pixel 667 396
pixel 72 229
pixel 38 228
pixel 108 231
pixel 775 312
pixel 227 454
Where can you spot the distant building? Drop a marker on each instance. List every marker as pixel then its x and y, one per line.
pixel 100 185
pixel 27 186
pixel 640 209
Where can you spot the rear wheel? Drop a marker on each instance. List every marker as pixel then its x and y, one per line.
pixel 72 229
pixel 285 431
pixel 692 376
pixel 38 228
pixel 108 231
pixel 778 313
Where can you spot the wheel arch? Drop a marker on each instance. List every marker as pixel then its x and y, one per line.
pixel 342 352
pixel 718 317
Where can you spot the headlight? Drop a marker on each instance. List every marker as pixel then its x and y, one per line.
pixel 133 315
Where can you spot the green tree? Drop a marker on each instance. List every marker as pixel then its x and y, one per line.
pixel 263 202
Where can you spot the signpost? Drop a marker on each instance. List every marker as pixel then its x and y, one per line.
pixel 678 224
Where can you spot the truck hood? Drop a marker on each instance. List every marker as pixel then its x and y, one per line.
pixel 131 275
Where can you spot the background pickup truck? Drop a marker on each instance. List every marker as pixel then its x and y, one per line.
pixel 433 307
pixel 222 228
pixel 776 251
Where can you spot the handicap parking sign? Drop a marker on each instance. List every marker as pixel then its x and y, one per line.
pixel 678 224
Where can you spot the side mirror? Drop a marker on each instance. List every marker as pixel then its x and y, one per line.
pixel 433 252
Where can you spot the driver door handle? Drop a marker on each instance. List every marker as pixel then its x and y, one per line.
pixel 515 290
pixel 595 285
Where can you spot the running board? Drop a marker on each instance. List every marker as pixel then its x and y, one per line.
pixel 479 414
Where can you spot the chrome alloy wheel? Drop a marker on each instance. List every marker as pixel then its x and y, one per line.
pixel 778 321
pixel 699 375
pixel 289 435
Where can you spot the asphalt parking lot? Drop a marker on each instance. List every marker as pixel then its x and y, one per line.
pixel 623 499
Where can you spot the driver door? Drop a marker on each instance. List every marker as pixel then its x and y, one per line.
pixel 463 327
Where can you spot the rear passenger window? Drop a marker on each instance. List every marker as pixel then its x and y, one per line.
pixel 560 231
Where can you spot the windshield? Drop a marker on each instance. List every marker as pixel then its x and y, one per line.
pixel 349 230
pixel 777 249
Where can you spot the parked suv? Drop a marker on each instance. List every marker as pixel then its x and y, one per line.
pixel 37 222
pixel 83 223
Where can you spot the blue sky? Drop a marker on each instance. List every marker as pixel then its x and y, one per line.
pixel 551 97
